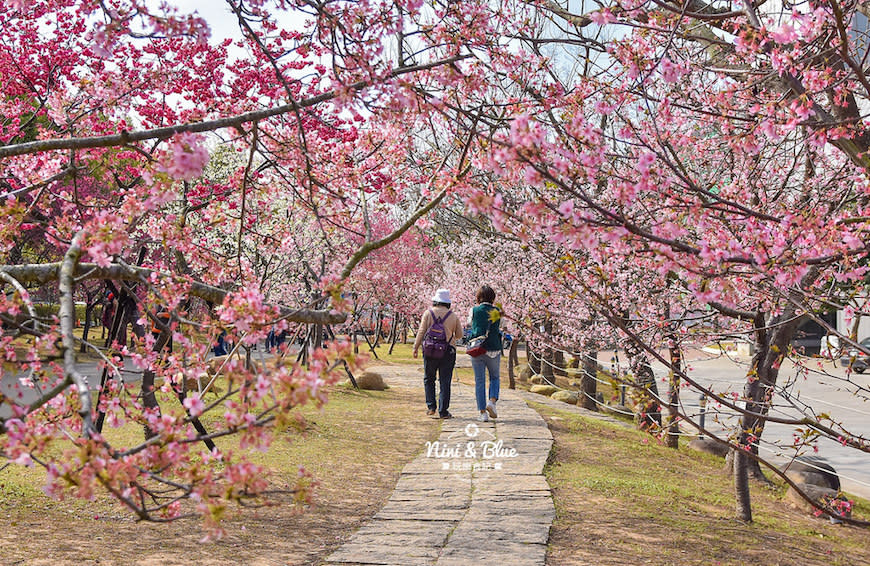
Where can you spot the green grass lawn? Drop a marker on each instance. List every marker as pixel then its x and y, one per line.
pixel 623 498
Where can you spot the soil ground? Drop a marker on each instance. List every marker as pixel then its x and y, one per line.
pixel 356 449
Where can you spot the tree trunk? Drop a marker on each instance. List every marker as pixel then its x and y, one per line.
pixel 302 356
pixel 646 391
pixel 534 358
pixel 741 486
pixel 378 328
pixel 371 346
pixel 317 342
pixel 118 320
pixel 393 326
pixel 575 361
pixel 512 363
pixel 588 380
pixel 672 439
pixel 148 393
pixel 559 363
pixel 89 310
pixel 772 343
pixel 103 326
pixel 394 334
pixel 547 365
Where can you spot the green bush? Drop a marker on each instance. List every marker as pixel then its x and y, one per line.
pixel 46 310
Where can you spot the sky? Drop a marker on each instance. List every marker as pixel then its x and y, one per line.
pixel 221 19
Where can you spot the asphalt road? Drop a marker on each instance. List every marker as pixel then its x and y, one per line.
pixel 16 387
pixel 12 386
pixel 820 387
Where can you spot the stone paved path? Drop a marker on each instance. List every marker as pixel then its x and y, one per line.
pixel 477 497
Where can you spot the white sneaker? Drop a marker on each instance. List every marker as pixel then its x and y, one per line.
pixel 490 408
pixel 483 417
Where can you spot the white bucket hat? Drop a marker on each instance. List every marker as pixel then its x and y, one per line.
pixel 441 296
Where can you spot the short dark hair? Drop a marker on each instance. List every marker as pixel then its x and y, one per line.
pixel 485 294
pixel 437 304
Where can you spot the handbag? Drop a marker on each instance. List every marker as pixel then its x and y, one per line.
pixel 475 346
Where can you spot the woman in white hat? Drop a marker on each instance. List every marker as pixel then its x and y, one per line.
pixel 439 330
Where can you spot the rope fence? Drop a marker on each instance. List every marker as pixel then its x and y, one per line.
pixel 785 404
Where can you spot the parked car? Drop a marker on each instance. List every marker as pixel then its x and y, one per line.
pixel 856 359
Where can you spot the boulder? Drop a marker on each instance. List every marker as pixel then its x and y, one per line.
pixel 546 390
pixel 201 383
pixel 526 373
pixel 821 495
pixel 709 446
pixel 371 381
pixel 570 397
pixel 537 379
pixel 812 470
pixel 216 363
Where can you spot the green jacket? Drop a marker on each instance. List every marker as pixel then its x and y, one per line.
pixel 482 323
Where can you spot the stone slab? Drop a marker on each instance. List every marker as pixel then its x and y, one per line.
pixel 466 510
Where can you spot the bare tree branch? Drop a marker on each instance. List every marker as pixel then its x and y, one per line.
pixel 125 137
pixel 44 273
pixel 369 247
pixel 66 285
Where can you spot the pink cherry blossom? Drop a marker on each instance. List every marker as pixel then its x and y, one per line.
pixel 187 157
pixel 194 404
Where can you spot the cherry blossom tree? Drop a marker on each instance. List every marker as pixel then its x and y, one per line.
pixel 113 111
pixel 720 147
pixel 711 154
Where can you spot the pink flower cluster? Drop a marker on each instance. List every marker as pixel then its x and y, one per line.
pixel 186 157
pixel 245 310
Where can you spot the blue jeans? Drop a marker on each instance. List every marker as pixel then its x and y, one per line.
pixel 480 365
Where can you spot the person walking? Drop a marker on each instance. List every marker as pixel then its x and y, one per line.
pixel 270 339
pixel 484 321
pixel 439 330
pixel 221 346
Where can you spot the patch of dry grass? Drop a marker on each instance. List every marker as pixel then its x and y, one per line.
pixel 622 498
pixel 355 447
